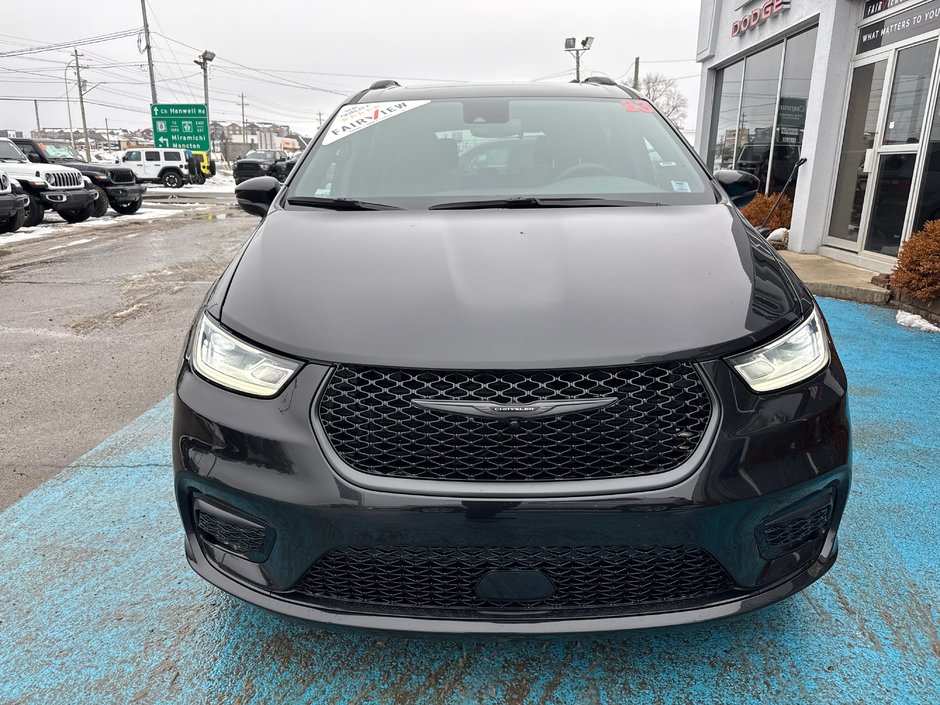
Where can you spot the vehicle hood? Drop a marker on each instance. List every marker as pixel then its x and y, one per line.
pixel 32 170
pixel 245 162
pixel 522 288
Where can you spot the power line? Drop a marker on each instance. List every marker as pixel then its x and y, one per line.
pixel 69 44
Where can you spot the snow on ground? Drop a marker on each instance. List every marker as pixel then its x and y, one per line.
pixel 912 320
pixel 54 225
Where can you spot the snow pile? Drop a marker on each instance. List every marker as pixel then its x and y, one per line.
pixel 912 320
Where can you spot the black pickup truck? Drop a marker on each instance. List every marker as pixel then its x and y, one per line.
pixel 116 185
pixel 261 162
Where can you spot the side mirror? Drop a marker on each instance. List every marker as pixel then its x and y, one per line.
pixel 34 158
pixel 256 195
pixel 740 186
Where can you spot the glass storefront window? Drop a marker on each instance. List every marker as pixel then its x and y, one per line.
pixel 724 127
pixel 791 111
pixel 928 205
pixel 761 82
pixel 909 94
pixel 861 122
pixel 895 177
pixel 749 129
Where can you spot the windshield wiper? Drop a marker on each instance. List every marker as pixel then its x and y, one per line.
pixel 340 204
pixel 540 202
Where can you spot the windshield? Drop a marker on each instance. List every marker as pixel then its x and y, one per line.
pixel 260 154
pixel 60 151
pixel 422 153
pixel 8 150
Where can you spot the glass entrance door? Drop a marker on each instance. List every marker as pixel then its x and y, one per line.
pixel 880 148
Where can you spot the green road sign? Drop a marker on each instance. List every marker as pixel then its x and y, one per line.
pixel 180 126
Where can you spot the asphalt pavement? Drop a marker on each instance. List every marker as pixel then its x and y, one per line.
pixel 98 604
pixel 91 323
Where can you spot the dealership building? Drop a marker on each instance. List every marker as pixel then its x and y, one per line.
pixel 849 85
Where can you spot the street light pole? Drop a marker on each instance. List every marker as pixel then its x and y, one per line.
pixel 202 61
pixel 572 48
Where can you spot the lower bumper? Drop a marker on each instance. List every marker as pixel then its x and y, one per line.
pixel 703 613
pixel 68 200
pixel 123 194
pixel 9 205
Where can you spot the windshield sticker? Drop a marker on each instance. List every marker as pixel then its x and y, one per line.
pixel 636 106
pixel 681 187
pixel 353 118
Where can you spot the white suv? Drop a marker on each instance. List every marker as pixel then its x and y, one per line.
pixel 167 166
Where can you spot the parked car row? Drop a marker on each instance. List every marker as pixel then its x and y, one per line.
pixel 50 175
pixel 173 168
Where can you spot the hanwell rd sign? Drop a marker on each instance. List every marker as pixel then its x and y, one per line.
pixel 180 126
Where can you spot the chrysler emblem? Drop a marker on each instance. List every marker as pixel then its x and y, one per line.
pixel 537 409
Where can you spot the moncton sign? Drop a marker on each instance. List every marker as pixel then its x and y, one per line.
pixel 758 15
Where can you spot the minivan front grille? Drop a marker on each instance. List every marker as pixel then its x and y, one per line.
pixel 656 422
pixel 65 179
pixel 585 578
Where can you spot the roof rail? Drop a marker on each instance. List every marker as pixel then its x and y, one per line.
pixel 384 83
pixel 600 80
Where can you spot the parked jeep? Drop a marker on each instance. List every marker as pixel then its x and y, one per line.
pixel 61 188
pixel 13 204
pixel 261 162
pixel 201 167
pixel 116 186
pixel 169 167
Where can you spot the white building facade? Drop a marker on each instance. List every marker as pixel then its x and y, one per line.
pixel 849 85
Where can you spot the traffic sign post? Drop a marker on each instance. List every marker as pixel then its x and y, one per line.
pixel 180 126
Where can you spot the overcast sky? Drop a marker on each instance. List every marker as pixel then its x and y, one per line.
pixel 337 46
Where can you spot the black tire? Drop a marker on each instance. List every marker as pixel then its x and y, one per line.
pixel 35 211
pixel 101 205
pixel 11 225
pixel 128 208
pixel 172 179
pixel 77 215
pixel 198 178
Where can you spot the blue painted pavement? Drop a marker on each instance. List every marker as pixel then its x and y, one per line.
pixel 97 604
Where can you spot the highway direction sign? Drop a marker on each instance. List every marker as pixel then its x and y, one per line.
pixel 180 126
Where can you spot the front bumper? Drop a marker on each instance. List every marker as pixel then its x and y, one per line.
pixel 71 199
pixel 773 457
pixel 125 193
pixel 10 203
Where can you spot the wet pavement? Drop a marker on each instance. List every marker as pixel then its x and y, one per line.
pixel 98 604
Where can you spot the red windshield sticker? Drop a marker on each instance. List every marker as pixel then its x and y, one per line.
pixel 637 106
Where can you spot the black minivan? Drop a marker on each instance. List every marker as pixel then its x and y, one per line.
pixel 571 390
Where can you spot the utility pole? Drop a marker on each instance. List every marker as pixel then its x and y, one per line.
pixel 319 119
pixel 153 82
pixel 68 105
pixel 38 126
pixel 636 74
pixel 107 133
pixel 202 61
pixel 244 134
pixel 81 103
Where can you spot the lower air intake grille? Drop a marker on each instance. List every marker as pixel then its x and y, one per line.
pixel 586 579
pixel 784 536
pixel 658 420
pixel 237 538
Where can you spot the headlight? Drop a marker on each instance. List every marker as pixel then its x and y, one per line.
pixel 100 177
pixel 229 362
pixel 47 176
pixel 799 354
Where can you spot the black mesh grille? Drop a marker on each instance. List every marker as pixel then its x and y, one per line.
pixel 122 176
pixel 444 578
pixel 785 535
pixel 659 419
pixel 234 537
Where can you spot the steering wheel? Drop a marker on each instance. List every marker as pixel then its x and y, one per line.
pixel 589 167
